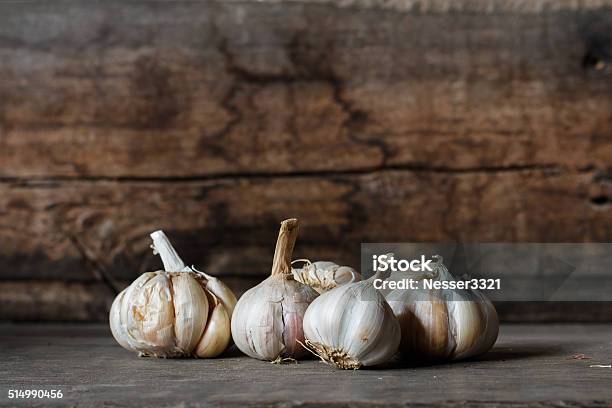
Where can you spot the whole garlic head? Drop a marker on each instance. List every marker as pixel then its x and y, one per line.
pixel 324 275
pixel 444 324
pixel 352 326
pixel 267 321
pixel 179 312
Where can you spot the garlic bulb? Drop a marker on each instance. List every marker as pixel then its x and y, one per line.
pixel 179 312
pixel 267 321
pixel 442 324
pixel 324 275
pixel 352 326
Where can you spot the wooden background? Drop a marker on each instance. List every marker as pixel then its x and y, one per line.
pixel 370 120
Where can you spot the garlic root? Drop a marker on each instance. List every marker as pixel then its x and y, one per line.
pixel 334 356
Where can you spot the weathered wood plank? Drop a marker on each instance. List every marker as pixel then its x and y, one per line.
pixel 471 6
pixel 208 88
pixel 229 226
pixel 54 301
pixel 546 312
pixel 531 366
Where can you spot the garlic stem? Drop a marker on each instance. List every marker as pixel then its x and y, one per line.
pixel 281 265
pixel 171 260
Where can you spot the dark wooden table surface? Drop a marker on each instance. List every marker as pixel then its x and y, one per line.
pixel 531 365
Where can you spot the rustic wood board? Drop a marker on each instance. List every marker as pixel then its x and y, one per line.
pixel 531 366
pixel 84 231
pixel 370 120
pixel 195 89
pixel 229 226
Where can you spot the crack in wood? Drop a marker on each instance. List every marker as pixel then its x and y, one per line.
pixel 306 70
pixel 97 267
pixel 52 181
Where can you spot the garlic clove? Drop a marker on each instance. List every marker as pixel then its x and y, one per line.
pixel 467 323
pixel 491 326
pixel 125 311
pixel 217 335
pixel 190 310
pixel 376 335
pixel 173 263
pixel 293 319
pixel 425 320
pixel 360 334
pixel 221 291
pixel 151 315
pixel 117 328
pixel 433 318
pixel 472 318
pixel 257 331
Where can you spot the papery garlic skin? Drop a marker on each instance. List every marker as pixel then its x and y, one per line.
pixel 352 326
pixel 143 320
pixel 117 328
pixel 442 325
pixel 268 319
pixel 324 275
pixel 173 314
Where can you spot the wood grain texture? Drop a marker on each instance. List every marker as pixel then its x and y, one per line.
pixel 229 226
pixel 530 366
pixel 54 301
pixel 197 89
pixel 473 6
